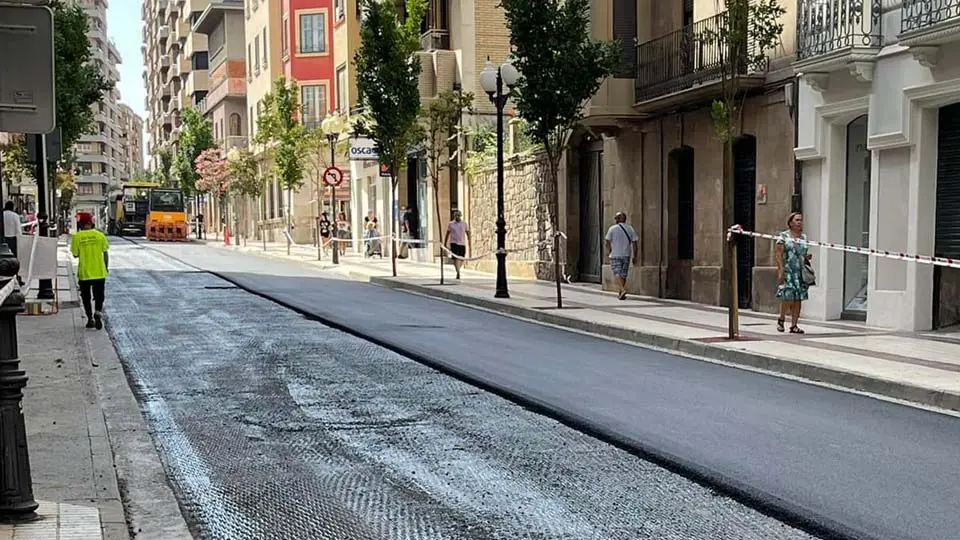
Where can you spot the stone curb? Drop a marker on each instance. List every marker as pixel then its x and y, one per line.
pixel 774 364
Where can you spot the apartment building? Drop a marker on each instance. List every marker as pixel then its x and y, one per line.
pixel 175 71
pixel 131 141
pixel 878 140
pixel 99 155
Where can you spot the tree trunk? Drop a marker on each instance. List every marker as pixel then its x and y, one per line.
pixel 436 205
pixel 287 215
pixel 554 164
pixel 726 272
pixel 394 218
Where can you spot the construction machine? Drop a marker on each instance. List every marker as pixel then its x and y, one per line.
pixel 131 209
pixel 167 220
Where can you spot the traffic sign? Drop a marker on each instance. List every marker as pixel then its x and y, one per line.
pixel 332 176
pixel 385 170
pixel 27 99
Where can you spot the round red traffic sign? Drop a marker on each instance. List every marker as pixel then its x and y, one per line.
pixel 332 176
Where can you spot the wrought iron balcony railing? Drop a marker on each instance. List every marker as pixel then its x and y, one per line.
pixel 689 57
pixel 825 26
pixel 920 14
pixel 435 39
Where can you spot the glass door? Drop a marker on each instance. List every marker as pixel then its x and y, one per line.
pixel 857 220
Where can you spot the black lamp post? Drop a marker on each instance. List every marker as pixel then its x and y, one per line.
pixel 16 485
pixel 497 82
pixel 332 127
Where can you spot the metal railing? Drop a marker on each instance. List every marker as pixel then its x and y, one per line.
pixel 920 14
pixel 688 57
pixel 825 26
pixel 435 39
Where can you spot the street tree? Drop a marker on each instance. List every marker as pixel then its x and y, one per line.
pixel 561 67
pixel 15 165
pixel 441 121
pixel 164 173
pixel 247 183
pixel 214 178
pixel 281 133
pixel 79 81
pixel 196 135
pixel 746 34
pixel 388 84
pixel 318 154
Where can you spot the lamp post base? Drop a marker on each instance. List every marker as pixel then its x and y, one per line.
pixel 502 291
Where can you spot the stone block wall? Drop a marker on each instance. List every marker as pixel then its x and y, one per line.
pixel 528 198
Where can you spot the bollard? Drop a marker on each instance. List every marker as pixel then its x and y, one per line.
pixel 733 314
pixel 16 485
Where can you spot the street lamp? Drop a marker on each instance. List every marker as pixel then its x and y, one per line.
pixel 332 127
pixel 497 81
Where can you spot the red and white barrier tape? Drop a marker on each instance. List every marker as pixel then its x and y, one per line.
pixel 923 259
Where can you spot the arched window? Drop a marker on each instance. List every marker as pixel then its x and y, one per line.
pixel 234 126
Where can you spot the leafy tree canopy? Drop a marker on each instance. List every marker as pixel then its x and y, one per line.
pixel 388 77
pixel 196 135
pixel 212 173
pixel 243 168
pixel 441 119
pixel 561 66
pixel 79 81
pixel 280 131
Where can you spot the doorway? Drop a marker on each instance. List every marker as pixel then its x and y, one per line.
pixel 744 213
pixel 856 221
pixel 679 222
pixel 946 281
pixel 591 215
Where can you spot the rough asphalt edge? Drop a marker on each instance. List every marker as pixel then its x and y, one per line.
pixel 797 370
pixel 149 504
pixel 780 509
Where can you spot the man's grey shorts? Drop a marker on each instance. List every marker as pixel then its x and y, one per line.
pixel 620 266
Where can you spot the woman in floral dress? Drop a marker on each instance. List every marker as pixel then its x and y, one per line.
pixel 791 257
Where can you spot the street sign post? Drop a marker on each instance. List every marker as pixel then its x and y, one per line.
pixel 27 98
pixel 332 176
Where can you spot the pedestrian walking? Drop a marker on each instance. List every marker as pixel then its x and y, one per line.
pixel 794 275
pixel 343 232
pixel 325 228
pixel 457 237
pixel 90 247
pixel 12 231
pixel 622 248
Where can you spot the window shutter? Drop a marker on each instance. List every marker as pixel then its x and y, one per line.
pixel 625 30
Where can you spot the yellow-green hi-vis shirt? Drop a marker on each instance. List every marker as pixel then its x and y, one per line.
pixel 89 246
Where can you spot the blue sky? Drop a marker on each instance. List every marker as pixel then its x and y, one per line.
pixel 123 26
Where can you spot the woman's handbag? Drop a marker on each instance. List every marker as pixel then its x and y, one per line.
pixel 808 275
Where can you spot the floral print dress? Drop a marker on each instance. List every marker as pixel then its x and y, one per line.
pixel 794 254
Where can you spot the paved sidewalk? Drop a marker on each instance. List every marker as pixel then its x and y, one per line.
pixel 922 368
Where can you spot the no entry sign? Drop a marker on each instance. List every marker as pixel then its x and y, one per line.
pixel 332 176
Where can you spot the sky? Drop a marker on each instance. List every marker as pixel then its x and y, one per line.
pixel 123 26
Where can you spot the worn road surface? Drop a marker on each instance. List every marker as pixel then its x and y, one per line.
pixel 269 420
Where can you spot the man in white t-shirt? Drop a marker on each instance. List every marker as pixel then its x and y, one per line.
pixel 12 230
pixel 622 247
pixel 458 234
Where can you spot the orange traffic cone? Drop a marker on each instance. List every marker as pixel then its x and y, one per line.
pixel 226 235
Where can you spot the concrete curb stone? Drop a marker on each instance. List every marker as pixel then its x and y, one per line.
pixel 773 364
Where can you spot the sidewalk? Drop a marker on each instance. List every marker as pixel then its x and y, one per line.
pixel 921 368
pixel 95 471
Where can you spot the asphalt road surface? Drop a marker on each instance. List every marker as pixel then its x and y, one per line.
pixel 849 463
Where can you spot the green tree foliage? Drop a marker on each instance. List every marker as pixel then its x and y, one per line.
pixel 388 81
pixel 15 165
pixel 164 173
pixel 79 81
pixel 243 167
pixel 280 131
pixel 561 67
pixel 441 121
pixel 196 135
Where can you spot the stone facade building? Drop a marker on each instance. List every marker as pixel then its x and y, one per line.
pixel 650 150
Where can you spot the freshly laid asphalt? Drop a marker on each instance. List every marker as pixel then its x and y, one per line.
pixel 854 465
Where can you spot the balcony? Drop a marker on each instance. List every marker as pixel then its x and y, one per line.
pixel 435 39
pixel 163 33
pixel 926 24
pixel 685 68
pixel 836 36
pixel 162 6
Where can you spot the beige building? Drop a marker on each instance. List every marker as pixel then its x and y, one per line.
pixel 131 141
pixel 175 68
pixel 651 152
pixel 99 155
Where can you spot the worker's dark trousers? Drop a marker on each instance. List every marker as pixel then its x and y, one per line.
pixel 96 287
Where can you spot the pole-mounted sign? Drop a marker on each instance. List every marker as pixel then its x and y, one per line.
pixel 27 98
pixel 332 176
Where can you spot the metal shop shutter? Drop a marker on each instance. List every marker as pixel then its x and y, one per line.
pixel 947 239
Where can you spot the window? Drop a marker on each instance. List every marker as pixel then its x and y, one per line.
pixel 342 89
pixel 313 38
pixel 201 60
pixel 256 54
pixel 265 48
pixel 249 62
pixel 338 9
pixel 314 100
pixel 285 39
pixel 234 125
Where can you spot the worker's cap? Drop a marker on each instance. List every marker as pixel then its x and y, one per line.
pixel 84 218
